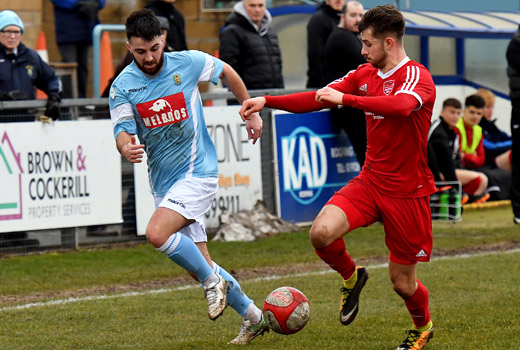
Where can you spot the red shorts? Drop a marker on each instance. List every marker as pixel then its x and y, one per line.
pixel 407 221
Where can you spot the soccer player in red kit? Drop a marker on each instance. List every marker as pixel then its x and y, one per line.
pixel 394 186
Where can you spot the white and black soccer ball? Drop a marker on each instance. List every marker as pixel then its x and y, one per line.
pixel 286 310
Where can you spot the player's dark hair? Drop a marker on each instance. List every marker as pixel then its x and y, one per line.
pixel 451 102
pixel 142 24
pixel 384 20
pixel 475 101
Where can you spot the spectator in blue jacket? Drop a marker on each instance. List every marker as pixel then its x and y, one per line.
pixel 497 143
pixel 74 21
pixel 22 69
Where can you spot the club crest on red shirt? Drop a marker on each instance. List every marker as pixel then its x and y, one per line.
pixel 163 111
pixel 388 87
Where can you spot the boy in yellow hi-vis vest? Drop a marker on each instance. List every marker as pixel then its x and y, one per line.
pixel 471 141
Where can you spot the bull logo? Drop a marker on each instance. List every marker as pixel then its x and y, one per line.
pixel 160 105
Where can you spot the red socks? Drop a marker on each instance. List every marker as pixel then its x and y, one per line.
pixel 337 257
pixel 472 186
pixel 418 306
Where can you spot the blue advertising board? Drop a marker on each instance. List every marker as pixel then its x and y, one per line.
pixel 312 162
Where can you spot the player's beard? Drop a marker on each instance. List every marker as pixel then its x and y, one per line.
pixel 381 62
pixel 151 70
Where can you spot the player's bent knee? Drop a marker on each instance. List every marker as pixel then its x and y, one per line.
pixel 153 236
pixel 320 236
pixel 405 290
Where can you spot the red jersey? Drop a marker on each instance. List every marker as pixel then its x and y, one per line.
pixel 396 159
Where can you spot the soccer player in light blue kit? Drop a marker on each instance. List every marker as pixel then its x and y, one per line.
pixel 157 98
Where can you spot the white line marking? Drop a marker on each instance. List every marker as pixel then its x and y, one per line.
pixel 257 279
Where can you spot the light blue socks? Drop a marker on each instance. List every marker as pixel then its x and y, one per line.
pixel 183 251
pixel 236 298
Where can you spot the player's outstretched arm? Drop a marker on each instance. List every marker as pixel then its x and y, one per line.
pixel 232 80
pixel 251 105
pixel 329 95
pixel 128 147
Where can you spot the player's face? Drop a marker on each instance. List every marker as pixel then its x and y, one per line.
pixel 10 37
pixel 353 16
pixel 472 115
pixel 148 55
pixel 451 115
pixel 373 49
pixel 255 9
pixel 336 5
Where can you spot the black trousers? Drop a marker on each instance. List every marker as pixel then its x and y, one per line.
pixel 515 134
pixel 353 121
pixel 76 52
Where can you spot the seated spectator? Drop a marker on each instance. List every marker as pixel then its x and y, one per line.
pixel 470 133
pixel 22 69
pixel 472 148
pixel 444 154
pixel 497 143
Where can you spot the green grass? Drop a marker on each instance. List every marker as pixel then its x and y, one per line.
pixel 474 300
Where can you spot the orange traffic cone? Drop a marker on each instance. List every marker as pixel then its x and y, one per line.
pixel 41 48
pixel 107 65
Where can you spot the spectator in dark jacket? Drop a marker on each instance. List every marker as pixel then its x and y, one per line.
pixel 444 154
pixel 74 21
pixel 176 38
pixel 22 69
pixel 320 26
pixel 513 72
pixel 343 54
pixel 250 46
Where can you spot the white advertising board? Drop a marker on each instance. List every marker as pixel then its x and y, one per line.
pixel 57 175
pixel 239 162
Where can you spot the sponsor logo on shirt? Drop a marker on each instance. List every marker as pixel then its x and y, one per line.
pixel 388 87
pixel 139 89
pixel 374 116
pixel 163 111
pixel 363 88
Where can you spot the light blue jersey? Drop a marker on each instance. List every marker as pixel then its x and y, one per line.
pixel 167 115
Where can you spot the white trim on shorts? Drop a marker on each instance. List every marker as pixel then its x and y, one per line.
pixel 191 197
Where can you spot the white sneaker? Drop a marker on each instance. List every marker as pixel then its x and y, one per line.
pixel 250 331
pixel 516 220
pixel 216 294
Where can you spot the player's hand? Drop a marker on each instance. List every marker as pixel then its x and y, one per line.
pixel 250 106
pixel 132 151
pixel 254 125
pixel 329 95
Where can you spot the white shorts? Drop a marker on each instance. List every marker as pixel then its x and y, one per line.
pixel 191 197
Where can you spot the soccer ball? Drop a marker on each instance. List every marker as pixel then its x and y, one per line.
pixel 286 310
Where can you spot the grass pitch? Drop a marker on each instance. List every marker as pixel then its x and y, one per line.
pixel 474 297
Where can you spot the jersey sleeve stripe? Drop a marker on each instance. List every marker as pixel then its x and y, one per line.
pixel 208 70
pixel 412 78
pixel 195 96
pixel 418 76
